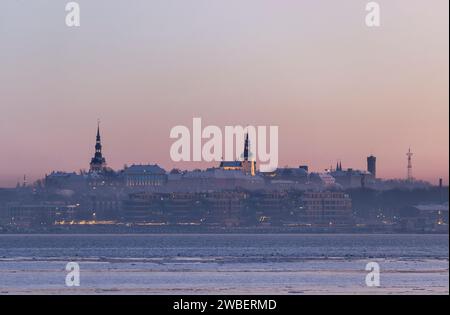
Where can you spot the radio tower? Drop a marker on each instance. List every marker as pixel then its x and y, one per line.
pixel 409 155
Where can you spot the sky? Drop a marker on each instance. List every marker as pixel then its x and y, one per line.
pixel 337 89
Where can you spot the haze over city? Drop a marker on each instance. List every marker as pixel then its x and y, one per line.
pixel 337 89
pixel 224 155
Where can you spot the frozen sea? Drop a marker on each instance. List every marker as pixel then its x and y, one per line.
pixel 224 264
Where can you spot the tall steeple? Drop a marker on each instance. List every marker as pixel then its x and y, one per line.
pixel 246 148
pixel 98 141
pixel 98 162
pixel 248 165
pixel 98 131
pixel 409 175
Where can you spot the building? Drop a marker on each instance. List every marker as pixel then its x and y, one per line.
pixel 424 218
pixel 98 162
pixel 165 208
pixel 351 178
pixel 305 168
pixel 31 214
pixel 104 205
pixel 372 165
pixel 322 179
pixel 271 207
pixel 212 179
pixel 247 165
pixel 225 208
pixel 63 180
pixel 186 208
pixel 144 176
pixel 297 175
pixel 231 165
pixel 327 208
pixel 143 208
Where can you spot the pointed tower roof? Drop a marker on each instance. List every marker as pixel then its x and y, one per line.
pixel 98 129
pixel 98 162
pixel 246 147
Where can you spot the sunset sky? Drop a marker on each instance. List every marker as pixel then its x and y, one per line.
pixel 337 89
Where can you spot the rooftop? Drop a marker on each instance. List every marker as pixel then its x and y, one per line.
pixel 137 169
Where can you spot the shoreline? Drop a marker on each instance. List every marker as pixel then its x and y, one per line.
pixel 136 230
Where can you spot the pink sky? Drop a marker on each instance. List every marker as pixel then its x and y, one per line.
pixel 336 89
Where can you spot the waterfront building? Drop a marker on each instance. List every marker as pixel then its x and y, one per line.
pixel 271 207
pixel 225 208
pixel 31 215
pixel 327 208
pixel 424 218
pixel 186 208
pixel 143 207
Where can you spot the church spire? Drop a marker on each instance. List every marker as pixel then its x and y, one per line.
pixel 248 165
pixel 246 148
pixel 98 130
pixel 98 162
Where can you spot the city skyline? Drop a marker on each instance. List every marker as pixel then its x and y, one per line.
pixel 224 155
pixel 98 164
pixel 337 89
